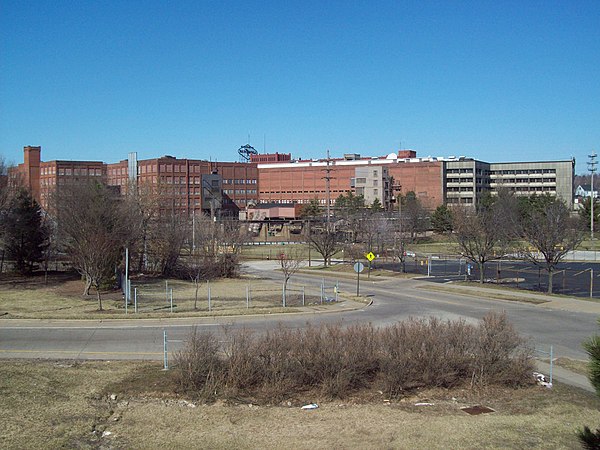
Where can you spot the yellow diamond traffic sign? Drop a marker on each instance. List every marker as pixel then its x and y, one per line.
pixel 370 256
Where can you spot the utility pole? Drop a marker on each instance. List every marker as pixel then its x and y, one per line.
pixel 592 167
pixel 327 178
pixel 194 229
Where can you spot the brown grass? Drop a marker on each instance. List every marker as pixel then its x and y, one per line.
pixel 46 404
pixel 62 298
pixel 487 291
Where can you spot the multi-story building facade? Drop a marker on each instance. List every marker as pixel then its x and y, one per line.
pixel 188 185
pixel 45 178
pixel 305 180
pixel 191 185
pixel 466 179
pixel 184 185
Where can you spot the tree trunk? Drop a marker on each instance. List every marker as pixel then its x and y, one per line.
pixel 550 272
pixel 99 299
pixel 481 272
pixel 88 285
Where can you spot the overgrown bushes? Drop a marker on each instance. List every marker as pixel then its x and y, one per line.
pixel 334 361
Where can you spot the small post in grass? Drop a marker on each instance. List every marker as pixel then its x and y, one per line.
pixel 303 297
pixel 171 292
pixel 135 300
pixel 208 284
pixel 165 354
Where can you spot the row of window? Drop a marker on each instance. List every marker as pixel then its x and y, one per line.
pixel 79 172
pixel 459 180
pixel 332 191
pixel 465 200
pixel 239 191
pixel 502 172
pixel 460 171
pixel 238 181
pixel 525 180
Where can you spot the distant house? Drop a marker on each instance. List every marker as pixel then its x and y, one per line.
pixel 581 193
pixel 585 191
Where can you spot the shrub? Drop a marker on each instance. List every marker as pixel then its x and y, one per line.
pixel 200 369
pixel 333 361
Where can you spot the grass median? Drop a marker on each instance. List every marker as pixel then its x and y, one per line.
pixel 61 298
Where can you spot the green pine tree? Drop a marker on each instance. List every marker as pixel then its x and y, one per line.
pixel 588 438
pixel 441 220
pixel 25 235
pixel 376 206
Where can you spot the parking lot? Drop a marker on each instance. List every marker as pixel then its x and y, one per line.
pixel 570 278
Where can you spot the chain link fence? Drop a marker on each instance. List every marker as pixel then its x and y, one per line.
pixel 580 279
pixel 225 295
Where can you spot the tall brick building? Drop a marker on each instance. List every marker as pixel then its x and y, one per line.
pixel 190 184
pixel 183 184
pixel 187 185
pixel 43 179
pixel 304 180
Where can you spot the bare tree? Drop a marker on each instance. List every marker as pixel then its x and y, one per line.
pixel 94 227
pixel 290 263
pixel 144 200
pixel 167 236
pixel 480 235
pixel 325 242
pixel 414 216
pixel 214 251
pixel 551 233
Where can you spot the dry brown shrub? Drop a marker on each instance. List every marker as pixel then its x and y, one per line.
pixel 199 368
pixel 334 361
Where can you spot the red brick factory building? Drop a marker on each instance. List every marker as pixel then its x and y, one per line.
pixel 276 178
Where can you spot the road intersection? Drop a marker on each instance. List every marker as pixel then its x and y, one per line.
pixel 562 323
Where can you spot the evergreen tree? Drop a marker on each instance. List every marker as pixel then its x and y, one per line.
pixel 24 233
pixel 441 220
pixel 376 206
pixel 586 212
pixel 311 210
pixel 588 438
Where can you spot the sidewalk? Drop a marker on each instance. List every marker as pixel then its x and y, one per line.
pixel 565 376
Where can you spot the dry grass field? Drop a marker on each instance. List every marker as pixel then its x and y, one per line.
pixel 102 404
pixel 61 298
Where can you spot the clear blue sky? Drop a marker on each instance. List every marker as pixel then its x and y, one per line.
pixel 495 80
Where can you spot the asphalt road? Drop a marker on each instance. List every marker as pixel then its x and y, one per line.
pixel 393 300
